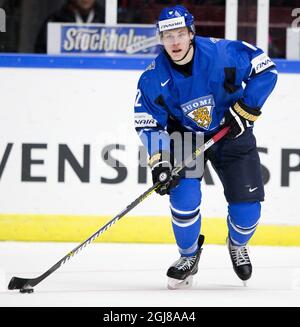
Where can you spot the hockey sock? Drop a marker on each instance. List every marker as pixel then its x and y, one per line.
pixel 186 227
pixel 242 221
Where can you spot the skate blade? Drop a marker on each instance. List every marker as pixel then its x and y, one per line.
pixel 175 284
pixel 244 283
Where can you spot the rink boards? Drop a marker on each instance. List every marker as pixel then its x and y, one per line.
pixel 62 118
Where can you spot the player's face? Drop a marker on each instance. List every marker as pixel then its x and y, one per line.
pixel 176 42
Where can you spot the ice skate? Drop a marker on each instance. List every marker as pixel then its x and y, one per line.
pixel 181 272
pixel 240 260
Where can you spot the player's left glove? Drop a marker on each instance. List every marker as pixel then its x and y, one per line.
pixel 239 117
pixel 161 168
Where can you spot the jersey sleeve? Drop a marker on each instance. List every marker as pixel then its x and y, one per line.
pixel 150 118
pixel 257 71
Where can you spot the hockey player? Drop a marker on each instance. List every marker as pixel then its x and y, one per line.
pixel 199 85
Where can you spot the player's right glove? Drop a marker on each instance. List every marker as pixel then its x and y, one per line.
pixel 161 169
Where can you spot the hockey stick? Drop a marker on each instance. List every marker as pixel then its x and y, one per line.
pixel 25 284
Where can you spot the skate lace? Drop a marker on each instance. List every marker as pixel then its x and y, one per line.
pixel 240 255
pixel 185 263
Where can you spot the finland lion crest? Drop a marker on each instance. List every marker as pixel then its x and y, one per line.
pixel 200 110
pixel 201 116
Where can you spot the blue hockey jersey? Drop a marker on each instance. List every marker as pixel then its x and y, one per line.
pixel 223 72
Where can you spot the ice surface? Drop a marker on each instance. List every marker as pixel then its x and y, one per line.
pixel 134 275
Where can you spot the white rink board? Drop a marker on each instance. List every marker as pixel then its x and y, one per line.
pixel 52 107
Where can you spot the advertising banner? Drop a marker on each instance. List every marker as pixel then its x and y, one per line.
pixel 95 39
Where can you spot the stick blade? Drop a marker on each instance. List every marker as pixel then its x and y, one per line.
pixel 17 283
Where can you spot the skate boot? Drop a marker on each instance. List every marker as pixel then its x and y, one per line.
pixel 181 272
pixel 240 260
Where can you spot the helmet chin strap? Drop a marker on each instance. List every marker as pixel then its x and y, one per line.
pixel 188 50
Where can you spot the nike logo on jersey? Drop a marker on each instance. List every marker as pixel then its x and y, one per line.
pixel 164 83
pixel 252 189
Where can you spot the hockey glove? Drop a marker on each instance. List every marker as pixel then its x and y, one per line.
pixel 239 117
pixel 161 169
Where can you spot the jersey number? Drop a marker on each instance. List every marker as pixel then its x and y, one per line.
pixel 137 99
